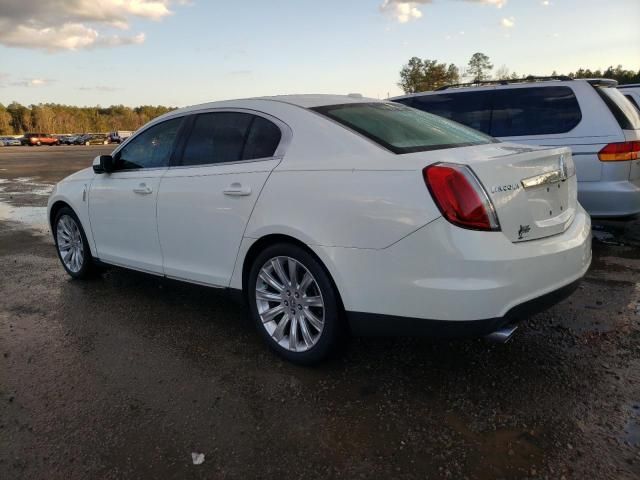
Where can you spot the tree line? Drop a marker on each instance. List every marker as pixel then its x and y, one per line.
pixel 16 119
pixel 419 75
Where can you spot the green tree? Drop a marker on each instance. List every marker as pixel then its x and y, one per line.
pixel 5 121
pixel 479 67
pixel 422 75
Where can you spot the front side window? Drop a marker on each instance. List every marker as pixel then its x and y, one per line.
pixel 151 149
pixel 472 109
pixel 221 137
pixel 402 129
pixel 534 111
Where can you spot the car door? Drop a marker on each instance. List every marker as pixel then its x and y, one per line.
pixel 205 201
pixel 122 205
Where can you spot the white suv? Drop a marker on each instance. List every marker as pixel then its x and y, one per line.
pixel 591 116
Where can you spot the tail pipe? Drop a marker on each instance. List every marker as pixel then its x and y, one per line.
pixel 502 335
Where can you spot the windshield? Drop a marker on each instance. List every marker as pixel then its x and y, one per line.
pixel 626 114
pixel 403 129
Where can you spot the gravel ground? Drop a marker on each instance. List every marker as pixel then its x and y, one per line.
pixel 126 376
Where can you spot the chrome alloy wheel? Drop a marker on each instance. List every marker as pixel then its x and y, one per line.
pixel 70 243
pixel 290 304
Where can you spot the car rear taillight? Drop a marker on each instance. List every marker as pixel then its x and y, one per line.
pixel 460 196
pixel 620 152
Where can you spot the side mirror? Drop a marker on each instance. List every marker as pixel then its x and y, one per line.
pixel 103 164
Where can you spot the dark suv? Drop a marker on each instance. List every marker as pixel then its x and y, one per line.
pixel 39 139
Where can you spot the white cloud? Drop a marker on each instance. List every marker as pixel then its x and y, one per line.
pixel 508 22
pixel 75 24
pixel 404 11
pixel 31 82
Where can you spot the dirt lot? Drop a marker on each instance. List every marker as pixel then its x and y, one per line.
pixel 127 375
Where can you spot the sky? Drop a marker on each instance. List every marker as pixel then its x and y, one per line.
pixel 184 52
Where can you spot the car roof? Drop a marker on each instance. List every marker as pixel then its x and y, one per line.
pixel 508 84
pixel 303 101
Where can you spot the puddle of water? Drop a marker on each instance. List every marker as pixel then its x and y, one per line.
pixel 33 217
pixel 607 238
pixel 631 434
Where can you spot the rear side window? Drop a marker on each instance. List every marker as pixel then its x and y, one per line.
pixel 472 109
pixel 401 129
pixel 627 116
pixel 534 111
pixel 221 137
pixel 633 101
pixel 263 139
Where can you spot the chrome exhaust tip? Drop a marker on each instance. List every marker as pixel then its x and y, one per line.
pixel 503 335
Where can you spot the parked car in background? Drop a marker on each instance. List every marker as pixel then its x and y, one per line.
pixel 10 142
pixel 68 139
pixel 38 139
pixel 79 139
pixel 119 136
pixel 321 208
pixel 95 139
pixel 592 117
pixel 632 92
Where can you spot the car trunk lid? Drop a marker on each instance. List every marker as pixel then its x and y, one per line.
pixel 534 191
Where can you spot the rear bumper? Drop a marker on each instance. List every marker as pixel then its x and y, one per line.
pixel 443 275
pixel 610 198
pixel 370 324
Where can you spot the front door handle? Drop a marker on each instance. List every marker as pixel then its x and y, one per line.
pixel 237 190
pixel 142 189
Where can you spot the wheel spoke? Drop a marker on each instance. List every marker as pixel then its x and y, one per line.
pixel 293 276
pixel 306 281
pixel 306 336
pixel 313 320
pixel 312 301
pixel 293 335
pixel 277 267
pixel 278 334
pixel 269 280
pixel 270 314
pixel 267 296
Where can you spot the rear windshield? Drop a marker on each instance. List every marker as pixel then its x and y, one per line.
pixel 626 114
pixel 402 129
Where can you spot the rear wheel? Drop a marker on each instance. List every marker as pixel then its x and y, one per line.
pixel 87 143
pixel 72 245
pixel 38 143
pixel 294 304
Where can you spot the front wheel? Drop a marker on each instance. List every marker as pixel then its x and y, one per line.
pixel 72 245
pixel 294 304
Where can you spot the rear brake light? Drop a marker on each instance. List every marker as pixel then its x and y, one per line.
pixel 460 196
pixel 620 152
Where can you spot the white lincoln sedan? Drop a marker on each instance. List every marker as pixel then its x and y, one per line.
pixel 333 213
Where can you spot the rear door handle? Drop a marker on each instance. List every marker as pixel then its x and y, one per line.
pixel 237 190
pixel 142 189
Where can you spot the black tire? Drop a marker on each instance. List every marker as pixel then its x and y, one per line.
pixel 88 268
pixel 332 330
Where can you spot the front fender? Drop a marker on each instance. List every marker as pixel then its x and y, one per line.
pixel 75 194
